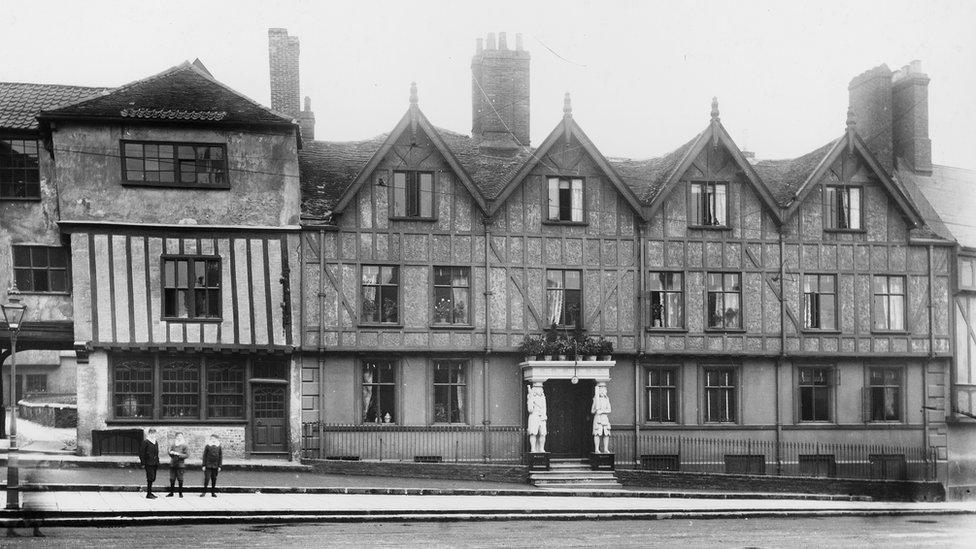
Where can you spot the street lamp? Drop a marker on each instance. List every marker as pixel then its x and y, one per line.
pixel 13 315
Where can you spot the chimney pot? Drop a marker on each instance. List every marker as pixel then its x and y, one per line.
pixel 308 103
pixel 491 41
pixel 502 41
pixel 518 41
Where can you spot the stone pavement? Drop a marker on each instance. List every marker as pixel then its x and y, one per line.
pixel 54 508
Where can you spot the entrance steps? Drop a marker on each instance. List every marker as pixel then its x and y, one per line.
pixel 573 474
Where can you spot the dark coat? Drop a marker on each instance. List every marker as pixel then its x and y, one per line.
pixel 177 456
pixel 149 454
pixel 213 456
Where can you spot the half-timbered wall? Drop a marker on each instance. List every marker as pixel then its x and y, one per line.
pixel 964 310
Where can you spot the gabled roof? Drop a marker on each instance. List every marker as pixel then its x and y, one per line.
pixel 21 102
pixel 568 127
pixel 647 177
pixel 187 93
pixel 852 141
pixel 784 177
pixel 948 201
pixel 413 116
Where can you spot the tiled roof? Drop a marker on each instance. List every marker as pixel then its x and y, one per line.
pixel 489 169
pixel 784 177
pixel 328 168
pixel 647 177
pixel 20 102
pixel 186 92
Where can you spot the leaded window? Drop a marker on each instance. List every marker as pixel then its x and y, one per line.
pixel 566 199
pixel 724 301
pixel 381 294
pixel 379 391
pixel 708 205
pixel 132 388
pixel 202 165
pixel 564 298
pixel 666 299
pixel 191 287
pixel 20 174
pixel 225 389
pixel 41 269
pixel 452 295
pixel 180 388
pixel 413 194
pixel 450 395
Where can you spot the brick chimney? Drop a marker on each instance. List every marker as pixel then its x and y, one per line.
pixel 500 93
pixel 871 101
pixel 910 117
pixel 283 54
pixel 306 120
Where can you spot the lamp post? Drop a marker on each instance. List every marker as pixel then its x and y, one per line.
pixel 13 315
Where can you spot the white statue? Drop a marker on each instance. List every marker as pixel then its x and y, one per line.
pixel 535 401
pixel 601 419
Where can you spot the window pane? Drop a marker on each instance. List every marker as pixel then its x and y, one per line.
pixel 573 280
pixel 696 204
pixel 426 194
pixel 22 256
pixel 169 273
pixel 39 256
pixel 553 198
pixel 40 281
pixel 719 217
pixel 442 276
pixel 828 312
pixel 461 306
pixel 59 280
pixel 855 208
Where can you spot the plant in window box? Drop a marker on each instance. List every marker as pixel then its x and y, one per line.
pixel 369 309
pixel 604 348
pixel 460 314
pixel 442 311
pixel 532 347
pixel 389 310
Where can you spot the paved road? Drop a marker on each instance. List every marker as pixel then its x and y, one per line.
pixel 887 532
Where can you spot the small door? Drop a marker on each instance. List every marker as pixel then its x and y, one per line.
pixel 569 424
pixel 269 425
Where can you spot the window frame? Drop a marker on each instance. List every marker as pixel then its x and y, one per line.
pixel 395 387
pixel 734 390
pixel 433 298
pixel 547 220
pixel 831 210
pixel 28 377
pixel 399 297
pixel 900 399
pixel 740 327
pixel 155 361
pixel 191 288
pixel 177 179
pixel 675 388
pixel 904 306
pixel 562 314
pixel 46 268
pixel 464 365
pixel 803 303
pixel 38 146
pixel 691 208
pixel 830 387
pixel 406 216
pixel 682 297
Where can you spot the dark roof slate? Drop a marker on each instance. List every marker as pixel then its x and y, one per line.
pixel 784 177
pixel 20 102
pixel 328 168
pixel 647 177
pixel 186 92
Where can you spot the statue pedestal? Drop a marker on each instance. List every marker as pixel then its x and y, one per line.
pixel 538 461
pixel 601 462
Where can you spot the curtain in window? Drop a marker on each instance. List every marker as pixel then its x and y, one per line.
pixel 854 214
pixel 844 213
pixel 368 402
pixel 718 215
pixel 555 301
pixel 577 190
pixel 553 198
pixel 459 395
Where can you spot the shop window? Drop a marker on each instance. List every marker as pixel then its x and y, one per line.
pixel 225 389
pixel 180 388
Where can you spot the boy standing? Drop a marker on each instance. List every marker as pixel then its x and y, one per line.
pixel 213 459
pixel 177 457
pixel 149 458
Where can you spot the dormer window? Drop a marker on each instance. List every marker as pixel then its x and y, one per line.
pixel 566 199
pixel 197 165
pixel 708 205
pixel 413 194
pixel 843 208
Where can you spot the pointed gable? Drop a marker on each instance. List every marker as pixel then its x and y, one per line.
pixel 563 160
pixel 186 93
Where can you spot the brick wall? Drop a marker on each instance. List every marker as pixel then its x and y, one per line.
pixel 500 91
pixel 283 55
pixel 870 97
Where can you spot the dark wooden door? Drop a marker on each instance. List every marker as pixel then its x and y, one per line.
pixel 269 425
pixel 570 424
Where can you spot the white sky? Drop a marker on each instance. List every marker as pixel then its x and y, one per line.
pixel 642 73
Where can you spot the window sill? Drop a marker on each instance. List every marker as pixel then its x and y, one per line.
pixel 193 320
pixel 411 218
pixel 845 231
pixel 890 332
pixel 725 330
pixel 815 331
pixel 816 423
pixel 20 199
pixel 710 227
pixel 885 422
pixel 151 421
pixel 567 223
pixel 659 423
pixel 175 185
pixel 460 327
pixel 721 423
pixel 381 326
pixel 21 292
pixel 666 330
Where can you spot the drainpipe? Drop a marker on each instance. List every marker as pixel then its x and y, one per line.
pixel 486 420
pixel 929 359
pixel 638 237
pixel 782 346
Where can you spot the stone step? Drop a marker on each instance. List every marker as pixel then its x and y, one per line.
pixel 583 487
pixel 572 474
pixel 567 478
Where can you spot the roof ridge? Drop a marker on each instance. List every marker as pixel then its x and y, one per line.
pixel 206 74
pixel 78 86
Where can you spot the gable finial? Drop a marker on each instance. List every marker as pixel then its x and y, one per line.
pixel 567 106
pixel 715 109
pixel 413 93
